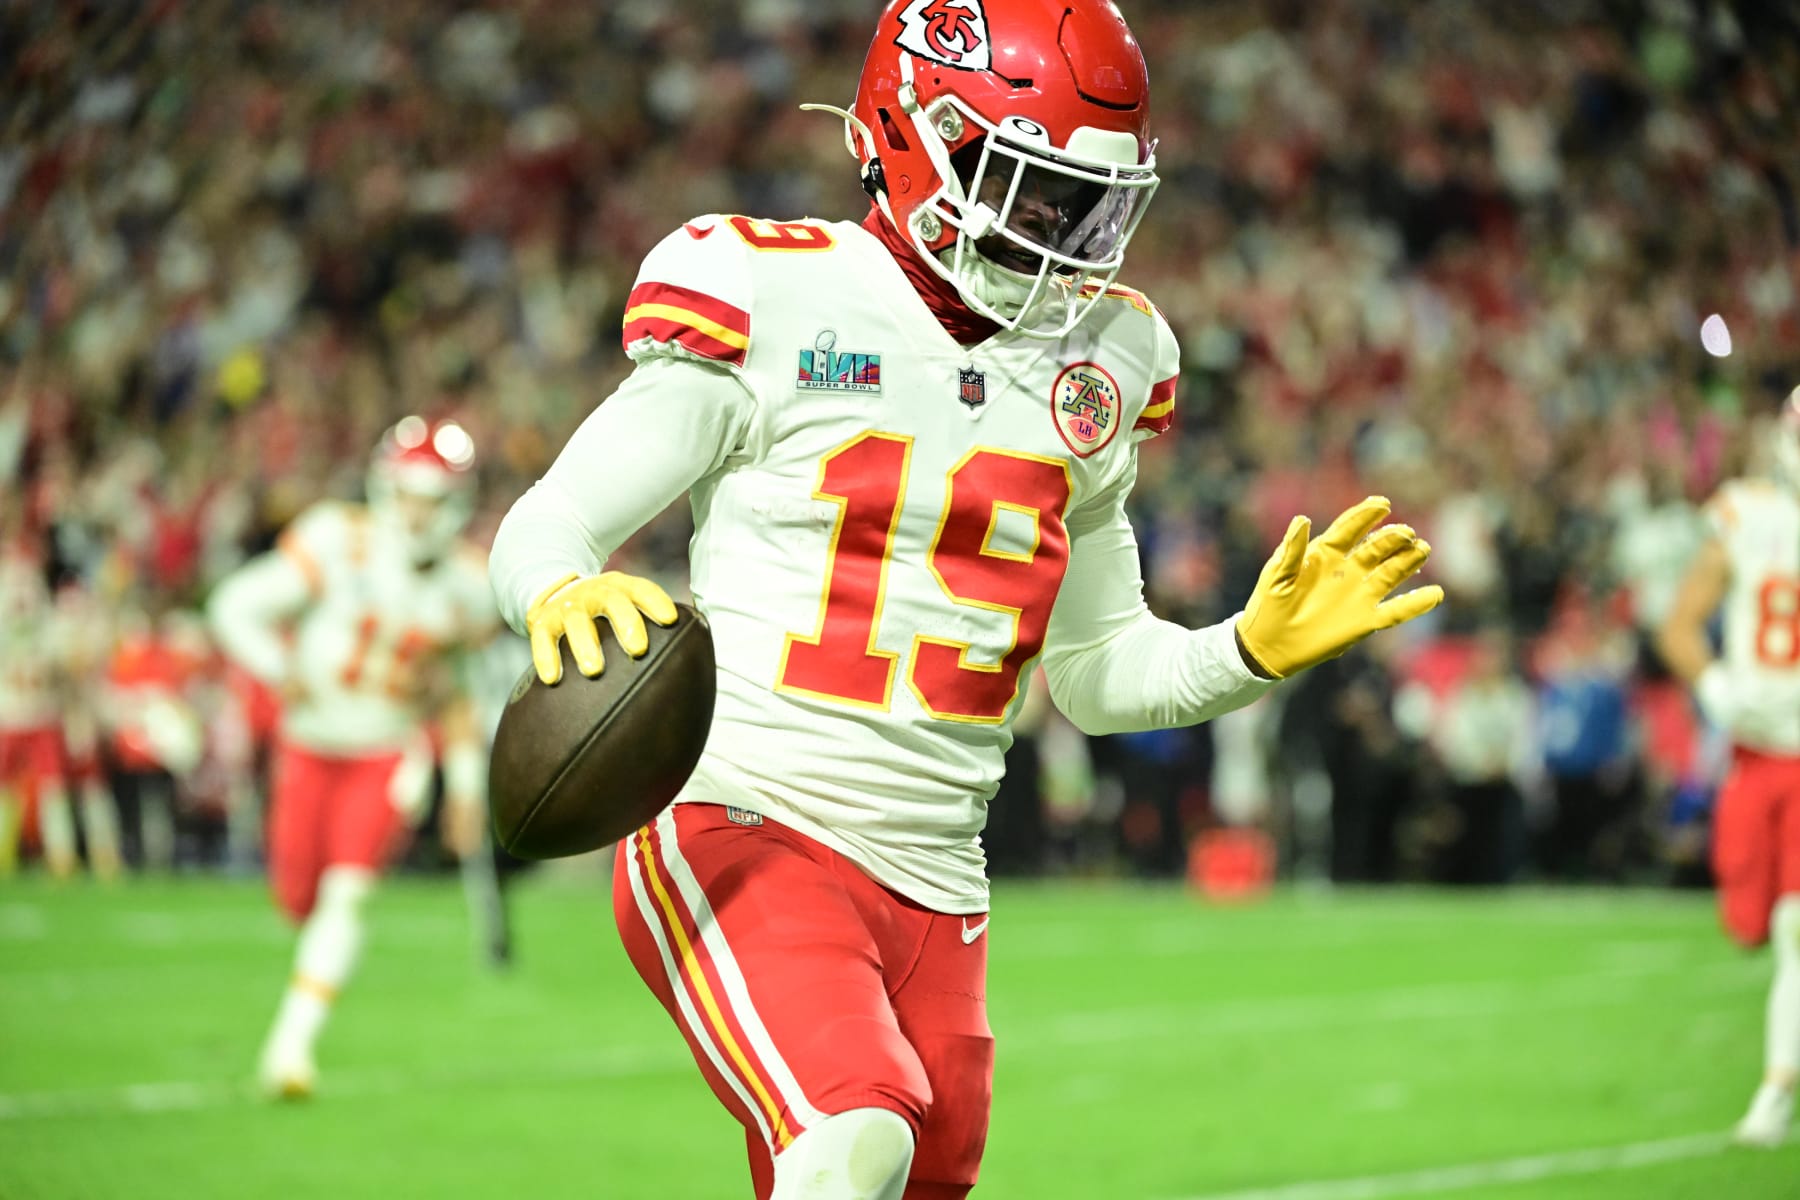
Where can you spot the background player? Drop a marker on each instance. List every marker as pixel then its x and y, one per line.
pixel 33 790
pixel 1749 568
pixel 84 637
pixel 908 445
pixel 379 601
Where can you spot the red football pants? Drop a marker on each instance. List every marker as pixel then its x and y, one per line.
pixel 804 988
pixel 325 812
pixel 1756 841
pixel 30 762
pixel 31 757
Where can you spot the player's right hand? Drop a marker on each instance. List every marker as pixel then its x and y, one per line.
pixel 1749 710
pixel 569 608
pixel 1316 599
pixel 1717 698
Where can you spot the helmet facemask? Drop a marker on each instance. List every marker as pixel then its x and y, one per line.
pixel 1040 232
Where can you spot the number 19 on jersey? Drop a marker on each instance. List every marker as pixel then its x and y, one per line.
pixel 866 479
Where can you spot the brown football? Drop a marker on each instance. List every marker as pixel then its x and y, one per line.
pixel 579 765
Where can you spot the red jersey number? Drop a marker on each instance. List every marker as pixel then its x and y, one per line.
pixel 1778 622
pixel 866 478
pixel 782 235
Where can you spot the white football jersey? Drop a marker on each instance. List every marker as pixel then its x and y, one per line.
pixel 1759 525
pixel 368 629
pixel 880 559
pixel 29 659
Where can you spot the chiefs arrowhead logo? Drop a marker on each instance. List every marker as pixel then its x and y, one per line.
pixel 952 32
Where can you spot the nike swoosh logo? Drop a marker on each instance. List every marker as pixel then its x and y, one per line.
pixel 969 935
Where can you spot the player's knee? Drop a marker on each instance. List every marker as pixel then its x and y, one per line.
pixel 344 889
pixel 887 1071
pixel 1745 920
pixel 294 896
pixel 858 1154
pixel 881 1150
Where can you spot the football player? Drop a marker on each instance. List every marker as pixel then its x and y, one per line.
pixel 32 780
pixel 907 443
pixel 156 737
pixel 1749 567
pixel 84 645
pixel 356 619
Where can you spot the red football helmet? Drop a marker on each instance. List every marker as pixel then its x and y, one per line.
pixel 421 484
pixel 1008 141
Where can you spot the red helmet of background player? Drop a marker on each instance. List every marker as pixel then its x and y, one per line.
pixel 1008 141
pixel 421 484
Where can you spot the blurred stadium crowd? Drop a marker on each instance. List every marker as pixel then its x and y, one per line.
pixel 1460 259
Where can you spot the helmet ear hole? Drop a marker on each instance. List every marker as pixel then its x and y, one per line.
pixel 892 131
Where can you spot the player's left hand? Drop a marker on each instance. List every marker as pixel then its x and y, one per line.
pixel 1316 599
pixel 463 831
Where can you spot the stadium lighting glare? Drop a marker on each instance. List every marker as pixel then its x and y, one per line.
pixel 1715 337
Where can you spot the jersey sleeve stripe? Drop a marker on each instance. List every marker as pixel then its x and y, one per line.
pixel 681 330
pixel 690 318
pixel 716 312
pixel 711 307
pixel 1159 414
pixel 702 324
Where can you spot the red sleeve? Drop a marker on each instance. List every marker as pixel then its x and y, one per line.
pixel 702 324
pixel 1159 414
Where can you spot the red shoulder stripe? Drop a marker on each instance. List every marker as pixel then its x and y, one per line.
pixel 681 332
pixel 1159 414
pixel 712 308
pixel 704 324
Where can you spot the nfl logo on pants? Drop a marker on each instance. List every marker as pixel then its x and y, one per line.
pixel 972 387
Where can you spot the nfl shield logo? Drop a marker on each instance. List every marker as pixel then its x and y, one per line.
pixel 971 386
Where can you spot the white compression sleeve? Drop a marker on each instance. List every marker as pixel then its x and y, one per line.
pixel 670 423
pixel 1781 1052
pixel 858 1154
pixel 331 939
pixel 1113 667
pixel 248 609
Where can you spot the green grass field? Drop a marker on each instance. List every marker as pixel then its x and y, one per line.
pixel 1315 1047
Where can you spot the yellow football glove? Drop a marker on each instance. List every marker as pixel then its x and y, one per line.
pixel 569 607
pixel 1315 600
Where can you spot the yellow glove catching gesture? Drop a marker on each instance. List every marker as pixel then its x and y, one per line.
pixel 568 608
pixel 1315 600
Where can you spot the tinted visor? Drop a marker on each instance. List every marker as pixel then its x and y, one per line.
pixel 1074 212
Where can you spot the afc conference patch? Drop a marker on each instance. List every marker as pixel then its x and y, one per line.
pixel 1085 404
pixel 824 369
